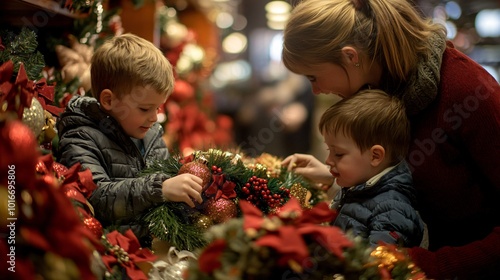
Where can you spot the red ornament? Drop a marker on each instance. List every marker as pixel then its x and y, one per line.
pixel 59 169
pixel 220 210
pixel 19 154
pixel 94 226
pixel 198 169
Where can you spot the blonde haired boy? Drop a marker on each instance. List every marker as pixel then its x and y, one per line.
pixel 115 133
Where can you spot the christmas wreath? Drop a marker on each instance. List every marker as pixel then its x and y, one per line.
pixel 228 179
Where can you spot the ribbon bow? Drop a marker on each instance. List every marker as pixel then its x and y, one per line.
pixel 45 95
pixel 21 88
pixel 221 187
pixel 285 231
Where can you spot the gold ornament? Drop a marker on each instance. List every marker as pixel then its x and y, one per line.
pixel 34 117
pixel 272 164
pixel 203 222
pixel 48 130
pixel 387 258
pixel 302 194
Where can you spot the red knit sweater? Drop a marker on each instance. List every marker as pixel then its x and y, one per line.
pixel 455 156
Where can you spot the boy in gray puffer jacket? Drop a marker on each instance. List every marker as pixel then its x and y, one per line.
pixel 115 134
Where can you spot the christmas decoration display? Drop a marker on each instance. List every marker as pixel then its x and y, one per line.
pixel 46 237
pixel 295 243
pixel 232 179
pixel 30 100
pixel 191 121
pixel 52 229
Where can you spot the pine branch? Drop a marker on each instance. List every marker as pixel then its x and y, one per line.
pixel 165 223
pixel 22 48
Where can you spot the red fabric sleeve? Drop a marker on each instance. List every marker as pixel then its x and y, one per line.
pixel 465 262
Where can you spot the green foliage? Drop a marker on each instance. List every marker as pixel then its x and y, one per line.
pixel 174 222
pixel 85 29
pixel 22 48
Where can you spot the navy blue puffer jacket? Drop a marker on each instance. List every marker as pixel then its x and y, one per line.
pixel 384 211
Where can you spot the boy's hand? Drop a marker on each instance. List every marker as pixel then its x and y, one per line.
pixel 183 188
pixel 309 167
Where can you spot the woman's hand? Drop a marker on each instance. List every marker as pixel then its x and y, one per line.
pixel 183 188
pixel 309 167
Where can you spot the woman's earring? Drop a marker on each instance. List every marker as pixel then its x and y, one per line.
pixel 356 64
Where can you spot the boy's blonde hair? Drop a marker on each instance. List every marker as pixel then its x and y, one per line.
pixel 390 32
pixel 371 117
pixel 126 61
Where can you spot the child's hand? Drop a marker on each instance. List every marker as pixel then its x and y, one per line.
pixel 309 167
pixel 183 188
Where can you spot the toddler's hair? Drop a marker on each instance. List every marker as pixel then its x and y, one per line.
pixel 371 117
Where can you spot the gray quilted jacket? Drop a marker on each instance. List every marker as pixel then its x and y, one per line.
pixel 384 211
pixel 93 138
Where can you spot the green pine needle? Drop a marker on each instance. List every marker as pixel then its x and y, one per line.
pixel 165 223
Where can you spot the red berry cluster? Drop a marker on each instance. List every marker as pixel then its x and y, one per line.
pixel 216 170
pixel 258 193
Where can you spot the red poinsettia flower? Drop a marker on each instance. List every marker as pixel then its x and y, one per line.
pixel 127 252
pixel 56 220
pixel 285 231
pixel 209 259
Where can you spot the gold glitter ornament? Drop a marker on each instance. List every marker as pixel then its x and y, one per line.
pixel 387 258
pixel 302 194
pixel 49 129
pixel 203 222
pixel 34 117
pixel 271 163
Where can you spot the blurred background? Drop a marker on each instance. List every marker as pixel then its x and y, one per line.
pixel 232 90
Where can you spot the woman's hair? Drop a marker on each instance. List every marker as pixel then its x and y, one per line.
pixel 390 32
pixel 126 61
pixel 371 117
